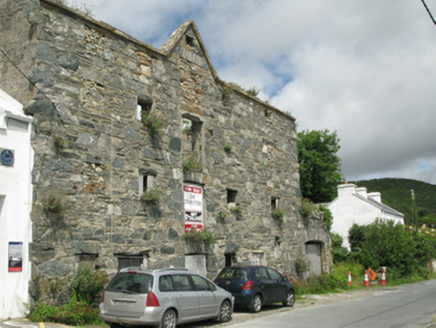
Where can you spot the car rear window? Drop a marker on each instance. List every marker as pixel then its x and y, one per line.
pixel 133 283
pixel 234 274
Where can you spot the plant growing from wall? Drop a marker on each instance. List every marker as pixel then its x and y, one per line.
pixel 253 91
pixel 222 215
pixel 152 122
pixel 236 210
pixel 192 165
pixel 151 196
pixel 277 214
pixel 226 93
pixel 227 147
pixel 201 236
pixel 54 203
pixel 307 208
pixel 60 141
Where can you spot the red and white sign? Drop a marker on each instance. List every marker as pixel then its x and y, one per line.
pixel 193 197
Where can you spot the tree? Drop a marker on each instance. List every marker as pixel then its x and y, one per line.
pixel 320 167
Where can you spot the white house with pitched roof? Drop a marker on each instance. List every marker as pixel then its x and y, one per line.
pixel 356 206
pixel 16 162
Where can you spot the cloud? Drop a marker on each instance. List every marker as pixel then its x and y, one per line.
pixel 364 69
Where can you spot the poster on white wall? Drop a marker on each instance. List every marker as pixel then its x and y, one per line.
pixel 15 256
pixel 193 197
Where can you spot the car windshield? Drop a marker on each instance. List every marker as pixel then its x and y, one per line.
pixel 234 274
pixel 132 283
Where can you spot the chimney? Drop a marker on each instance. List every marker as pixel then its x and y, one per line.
pixel 375 196
pixel 346 189
pixel 362 192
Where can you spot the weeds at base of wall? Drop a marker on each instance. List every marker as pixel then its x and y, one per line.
pixel 82 306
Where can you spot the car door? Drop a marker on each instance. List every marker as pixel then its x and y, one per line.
pixel 208 301
pixel 279 286
pixel 187 297
pixel 264 283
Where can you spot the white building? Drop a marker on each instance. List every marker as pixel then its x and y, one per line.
pixel 16 160
pixel 356 206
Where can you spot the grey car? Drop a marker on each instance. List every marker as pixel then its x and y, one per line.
pixel 163 298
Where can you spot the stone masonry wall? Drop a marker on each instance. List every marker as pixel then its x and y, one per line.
pixel 91 148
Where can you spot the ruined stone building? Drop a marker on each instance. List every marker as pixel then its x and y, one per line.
pixel 134 146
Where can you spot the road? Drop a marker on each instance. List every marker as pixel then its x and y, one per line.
pixel 406 306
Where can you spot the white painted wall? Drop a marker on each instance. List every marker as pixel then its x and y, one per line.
pixel 15 205
pixel 348 209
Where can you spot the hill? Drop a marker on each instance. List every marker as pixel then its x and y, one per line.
pixel 397 194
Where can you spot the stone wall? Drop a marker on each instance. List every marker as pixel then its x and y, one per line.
pixel 85 80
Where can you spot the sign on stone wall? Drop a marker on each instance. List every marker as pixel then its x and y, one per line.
pixel 193 198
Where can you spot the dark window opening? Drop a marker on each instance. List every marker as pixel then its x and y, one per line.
pixel 146 180
pixel 143 107
pixel 191 127
pixel 126 261
pixel 230 259
pixel 189 40
pixel 274 203
pixel 231 196
pixel 86 260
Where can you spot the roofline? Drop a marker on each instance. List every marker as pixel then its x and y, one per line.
pixel 166 48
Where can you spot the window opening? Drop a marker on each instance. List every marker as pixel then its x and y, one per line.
pixel 189 40
pixel 143 107
pixel 274 203
pixel 231 196
pixel 230 259
pixel 126 261
pixel 146 181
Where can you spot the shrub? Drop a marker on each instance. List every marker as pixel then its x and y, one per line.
pixel 301 266
pixel 88 285
pixel 82 309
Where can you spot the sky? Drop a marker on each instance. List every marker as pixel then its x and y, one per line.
pixel 365 69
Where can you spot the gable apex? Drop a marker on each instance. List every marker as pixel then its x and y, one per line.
pixel 184 31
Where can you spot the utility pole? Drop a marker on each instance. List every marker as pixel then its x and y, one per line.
pixel 413 210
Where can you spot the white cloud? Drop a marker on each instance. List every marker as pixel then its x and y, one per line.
pixel 366 69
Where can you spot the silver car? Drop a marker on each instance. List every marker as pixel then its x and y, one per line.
pixel 163 298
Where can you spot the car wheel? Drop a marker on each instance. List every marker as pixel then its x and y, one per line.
pixel 255 304
pixel 290 299
pixel 169 319
pixel 225 313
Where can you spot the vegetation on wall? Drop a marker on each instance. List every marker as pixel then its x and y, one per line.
pixel 191 164
pixel 79 308
pixel 54 203
pixel 152 122
pixel 201 236
pixel 151 196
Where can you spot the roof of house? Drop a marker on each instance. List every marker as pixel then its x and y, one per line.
pixel 379 205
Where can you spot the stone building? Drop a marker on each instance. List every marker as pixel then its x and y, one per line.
pixel 134 146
